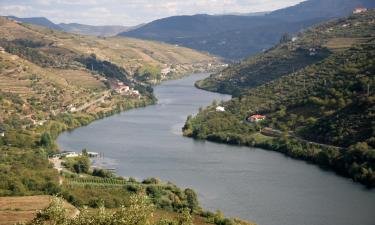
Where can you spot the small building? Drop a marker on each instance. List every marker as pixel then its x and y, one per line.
pixel 256 118
pixel 165 71
pixel 70 154
pixel 220 109
pixel 135 93
pixel 359 10
pixel 294 39
pixel 2 134
pixel 121 88
pixel 2 50
pixel 93 154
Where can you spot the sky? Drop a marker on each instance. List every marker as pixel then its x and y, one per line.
pixel 131 12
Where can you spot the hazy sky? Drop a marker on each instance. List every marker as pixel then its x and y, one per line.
pixel 130 12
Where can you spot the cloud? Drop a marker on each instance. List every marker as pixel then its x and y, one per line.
pixel 131 12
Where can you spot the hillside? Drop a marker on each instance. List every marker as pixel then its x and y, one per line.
pixel 307 48
pixel 104 31
pixel 41 21
pixel 236 37
pixel 76 28
pixel 321 110
pixel 46 72
pixel 52 81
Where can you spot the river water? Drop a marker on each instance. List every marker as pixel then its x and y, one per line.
pixel 262 186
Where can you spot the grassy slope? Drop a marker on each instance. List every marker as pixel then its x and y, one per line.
pixel 329 102
pixel 123 51
pixel 22 209
pixel 286 58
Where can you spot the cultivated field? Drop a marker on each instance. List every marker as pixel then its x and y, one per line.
pixel 21 209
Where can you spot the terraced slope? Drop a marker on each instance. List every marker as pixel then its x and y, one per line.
pixel 309 47
pixel 323 112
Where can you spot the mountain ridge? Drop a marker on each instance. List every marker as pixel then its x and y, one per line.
pixel 77 28
pixel 205 33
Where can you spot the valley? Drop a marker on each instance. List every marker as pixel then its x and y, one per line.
pixel 266 115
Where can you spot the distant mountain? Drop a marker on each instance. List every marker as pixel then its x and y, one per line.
pixel 93 30
pixel 238 36
pixel 245 14
pixel 77 28
pixel 41 21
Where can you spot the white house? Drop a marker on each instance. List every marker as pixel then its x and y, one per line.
pixel 135 93
pixel 359 10
pixel 220 109
pixel 71 154
pixel 2 134
pixel 121 88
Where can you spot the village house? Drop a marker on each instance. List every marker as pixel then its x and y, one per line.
pixel 121 88
pixel 165 71
pixel 2 50
pixel 359 10
pixel 70 154
pixel 135 93
pixel 256 118
pixel 220 109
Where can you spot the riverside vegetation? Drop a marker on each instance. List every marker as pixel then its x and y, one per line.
pixel 317 92
pixel 53 81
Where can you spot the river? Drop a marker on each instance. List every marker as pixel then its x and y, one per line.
pixel 262 186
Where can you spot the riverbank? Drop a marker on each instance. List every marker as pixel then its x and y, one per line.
pixel 243 182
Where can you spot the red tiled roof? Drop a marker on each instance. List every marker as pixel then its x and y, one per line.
pixel 257 117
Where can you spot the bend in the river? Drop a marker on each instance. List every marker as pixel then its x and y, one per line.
pixel 255 184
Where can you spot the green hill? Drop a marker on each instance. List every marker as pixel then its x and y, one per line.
pixel 323 112
pixel 309 47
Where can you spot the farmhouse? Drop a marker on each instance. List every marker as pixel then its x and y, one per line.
pixel 256 118
pixel 121 88
pixel 220 109
pixel 359 10
pixel 135 93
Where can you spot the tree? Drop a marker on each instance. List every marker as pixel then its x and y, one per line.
pixel 192 200
pixel 46 140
